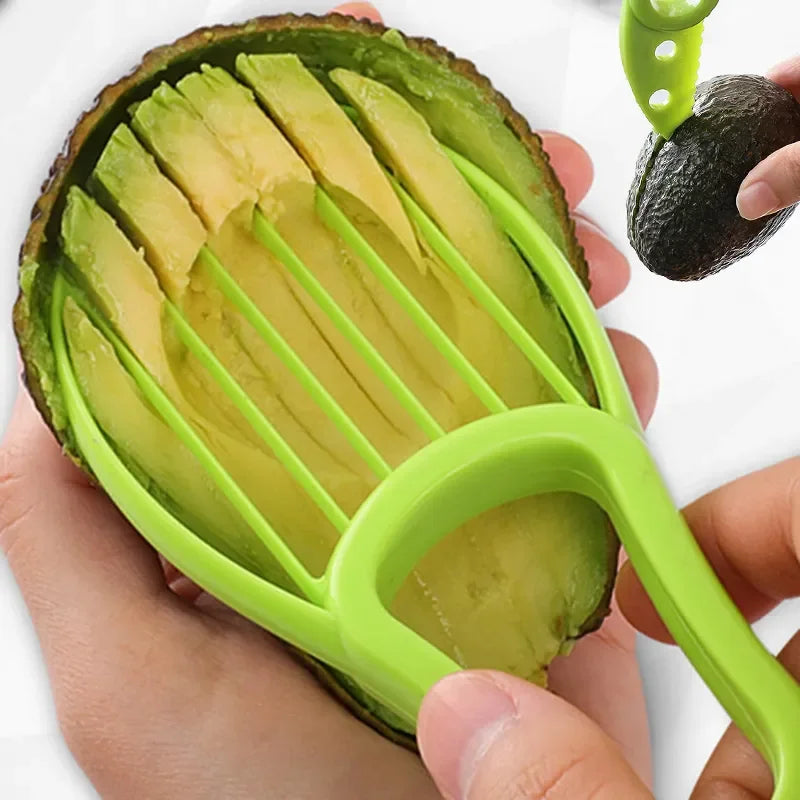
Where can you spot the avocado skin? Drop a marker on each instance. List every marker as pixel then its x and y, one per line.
pixel 683 221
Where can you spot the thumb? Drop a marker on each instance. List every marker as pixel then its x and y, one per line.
pixel 488 736
pixel 772 185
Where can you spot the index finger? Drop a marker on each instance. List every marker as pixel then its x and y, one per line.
pixel 787 74
pixel 750 532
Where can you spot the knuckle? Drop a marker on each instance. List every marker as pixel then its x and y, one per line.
pixel 562 779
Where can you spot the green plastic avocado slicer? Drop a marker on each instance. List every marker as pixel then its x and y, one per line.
pixel 341 618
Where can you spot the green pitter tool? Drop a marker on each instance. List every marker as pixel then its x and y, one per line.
pixel 342 617
pixel 660 42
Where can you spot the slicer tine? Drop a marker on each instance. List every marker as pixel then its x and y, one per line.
pixel 260 424
pixel 333 216
pixel 268 235
pixel 563 283
pixel 310 586
pixel 305 376
pixel 489 300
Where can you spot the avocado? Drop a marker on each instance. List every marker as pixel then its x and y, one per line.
pixel 683 221
pixel 154 213
pixel 191 155
pixel 325 137
pixel 182 164
pixel 151 449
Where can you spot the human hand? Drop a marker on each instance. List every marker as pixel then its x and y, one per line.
pixel 487 735
pixel 774 184
pixel 161 692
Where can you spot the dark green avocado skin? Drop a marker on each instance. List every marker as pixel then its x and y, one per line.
pixel 682 217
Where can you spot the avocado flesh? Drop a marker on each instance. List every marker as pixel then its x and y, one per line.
pixel 405 141
pixel 150 447
pixel 191 155
pixel 152 210
pixel 511 373
pixel 327 140
pixel 507 590
pixel 683 221
pixel 119 280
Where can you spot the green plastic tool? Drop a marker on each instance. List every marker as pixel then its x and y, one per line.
pixel 342 617
pixel 660 42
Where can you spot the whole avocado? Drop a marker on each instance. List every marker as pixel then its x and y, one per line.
pixel 683 221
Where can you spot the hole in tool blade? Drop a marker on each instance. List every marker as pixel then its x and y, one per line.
pixel 660 99
pixel 666 50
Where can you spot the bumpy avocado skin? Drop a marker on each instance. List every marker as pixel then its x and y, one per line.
pixel 682 217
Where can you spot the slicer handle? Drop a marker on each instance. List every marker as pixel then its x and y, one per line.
pixel 550 448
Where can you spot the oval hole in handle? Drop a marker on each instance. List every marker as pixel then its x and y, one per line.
pixel 672 15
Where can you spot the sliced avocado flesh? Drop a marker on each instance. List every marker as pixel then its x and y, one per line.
pixel 508 590
pixel 191 155
pixel 287 198
pixel 152 449
pixel 153 212
pixel 113 272
pixel 327 140
pixel 405 141
pixel 230 110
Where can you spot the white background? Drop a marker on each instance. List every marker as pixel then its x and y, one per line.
pixel 728 348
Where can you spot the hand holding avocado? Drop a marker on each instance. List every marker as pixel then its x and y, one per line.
pixel 723 184
pixel 239 715
pixel 488 735
pixel 158 688
pixel 775 183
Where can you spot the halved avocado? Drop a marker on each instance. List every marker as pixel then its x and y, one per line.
pixel 174 162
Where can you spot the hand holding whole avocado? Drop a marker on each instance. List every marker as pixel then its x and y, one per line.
pixel 214 707
pixel 774 184
pixel 726 180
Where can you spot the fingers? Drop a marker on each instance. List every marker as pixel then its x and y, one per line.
pixel 772 185
pixel 487 735
pixel 359 11
pixel 736 771
pixel 571 163
pixel 640 371
pixel 609 270
pixel 603 665
pixel 750 531
pixel 787 74
pixel 76 560
pixel 775 183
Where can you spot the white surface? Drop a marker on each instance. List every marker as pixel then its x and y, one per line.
pixel 728 349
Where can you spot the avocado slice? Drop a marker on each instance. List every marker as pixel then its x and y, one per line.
pixel 118 279
pixel 327 140
pixel 191 155
pixel 152 210
pixel 511 589
pixel 408 146
pixel 683 221
pixel 150 448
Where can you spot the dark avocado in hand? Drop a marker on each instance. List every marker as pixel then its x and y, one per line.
pixel 683 221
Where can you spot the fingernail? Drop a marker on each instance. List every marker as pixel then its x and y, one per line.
pixel 757 200
pixel 468 712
